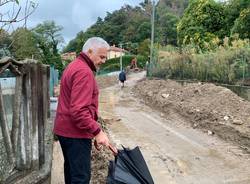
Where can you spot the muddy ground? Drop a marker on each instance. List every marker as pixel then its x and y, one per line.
pixel 216 110
pixel 106 81
pixel 100 159
pixel 174 152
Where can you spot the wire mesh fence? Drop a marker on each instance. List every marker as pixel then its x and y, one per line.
pixel 223 66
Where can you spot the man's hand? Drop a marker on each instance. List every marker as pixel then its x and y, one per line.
pixel 101 139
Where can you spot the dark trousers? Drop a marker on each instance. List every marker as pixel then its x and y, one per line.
pixel 77 158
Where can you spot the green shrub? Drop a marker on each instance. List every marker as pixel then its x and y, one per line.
pixel 225 65
pixel 112 67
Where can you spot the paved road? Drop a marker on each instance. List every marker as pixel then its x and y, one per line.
pixel 174 152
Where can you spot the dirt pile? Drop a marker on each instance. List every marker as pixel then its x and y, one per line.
pixel 213 108
pixel 99 167
pixel 100 161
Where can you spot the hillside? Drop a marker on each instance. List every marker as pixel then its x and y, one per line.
pixel 132 25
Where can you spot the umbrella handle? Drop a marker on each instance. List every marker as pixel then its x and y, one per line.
pixel 113 149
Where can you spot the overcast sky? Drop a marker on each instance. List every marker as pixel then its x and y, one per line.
pixel 75 15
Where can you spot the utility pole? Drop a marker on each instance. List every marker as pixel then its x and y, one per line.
pixel 121 57
pixel 152 32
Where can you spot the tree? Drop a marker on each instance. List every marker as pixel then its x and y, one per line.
pixel 132 24
pixel 24 44
pixel 48 37
pixel 71 47
pixel 168 24
pixel 202 22
pixel 81 38
pixel 49 33
pixel 144 48
pixel 4 52
pixel 121 26
pixel 233 9
pixel 172 6
pixel 144 31
pixel 5 39
pixel 16 11
pixel 242 24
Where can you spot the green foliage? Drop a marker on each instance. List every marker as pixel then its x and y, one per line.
pixel 24 44
pixel 132 25
pixel 71 47
pixel 174 6
pixel 111 68
pixel 48 37
pixel 5 42
pixel 119 27
pixel 80 39
pixel 169 48
pixel 144 48
pixel 225 65
pixel 233 9
pixel 5 39
pixel 168 29
pixel 242 24
pixel 4 52
pixel 48 33
pixel 114 63
pixel 145 31
pixel 207 22
pixel 198 26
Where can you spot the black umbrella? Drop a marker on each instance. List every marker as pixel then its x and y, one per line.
pixel 129 167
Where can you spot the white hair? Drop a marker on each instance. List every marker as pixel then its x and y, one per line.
pixel 95 43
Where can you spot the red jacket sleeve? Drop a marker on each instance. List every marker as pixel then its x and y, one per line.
pixel 80 101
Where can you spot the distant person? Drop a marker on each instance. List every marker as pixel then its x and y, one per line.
pixel 133 64
pixel 122 77
pixel 147 68
pixel 77 112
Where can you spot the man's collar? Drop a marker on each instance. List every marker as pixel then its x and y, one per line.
pixel 82 56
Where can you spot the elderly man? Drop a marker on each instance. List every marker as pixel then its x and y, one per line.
pixel 76 118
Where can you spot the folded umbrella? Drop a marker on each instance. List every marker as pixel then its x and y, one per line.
pixel 129 167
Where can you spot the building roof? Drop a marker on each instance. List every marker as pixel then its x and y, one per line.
pixel 117 49
pixel 68 55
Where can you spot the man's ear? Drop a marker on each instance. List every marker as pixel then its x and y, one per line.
pixel 90 51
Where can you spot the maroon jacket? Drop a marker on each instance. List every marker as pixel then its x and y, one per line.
pixel 78 101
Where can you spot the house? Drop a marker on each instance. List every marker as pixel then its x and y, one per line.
pixel 68 56
pixel 115 52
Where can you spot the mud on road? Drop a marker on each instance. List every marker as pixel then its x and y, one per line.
pixel 212 108
pixel 174 150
